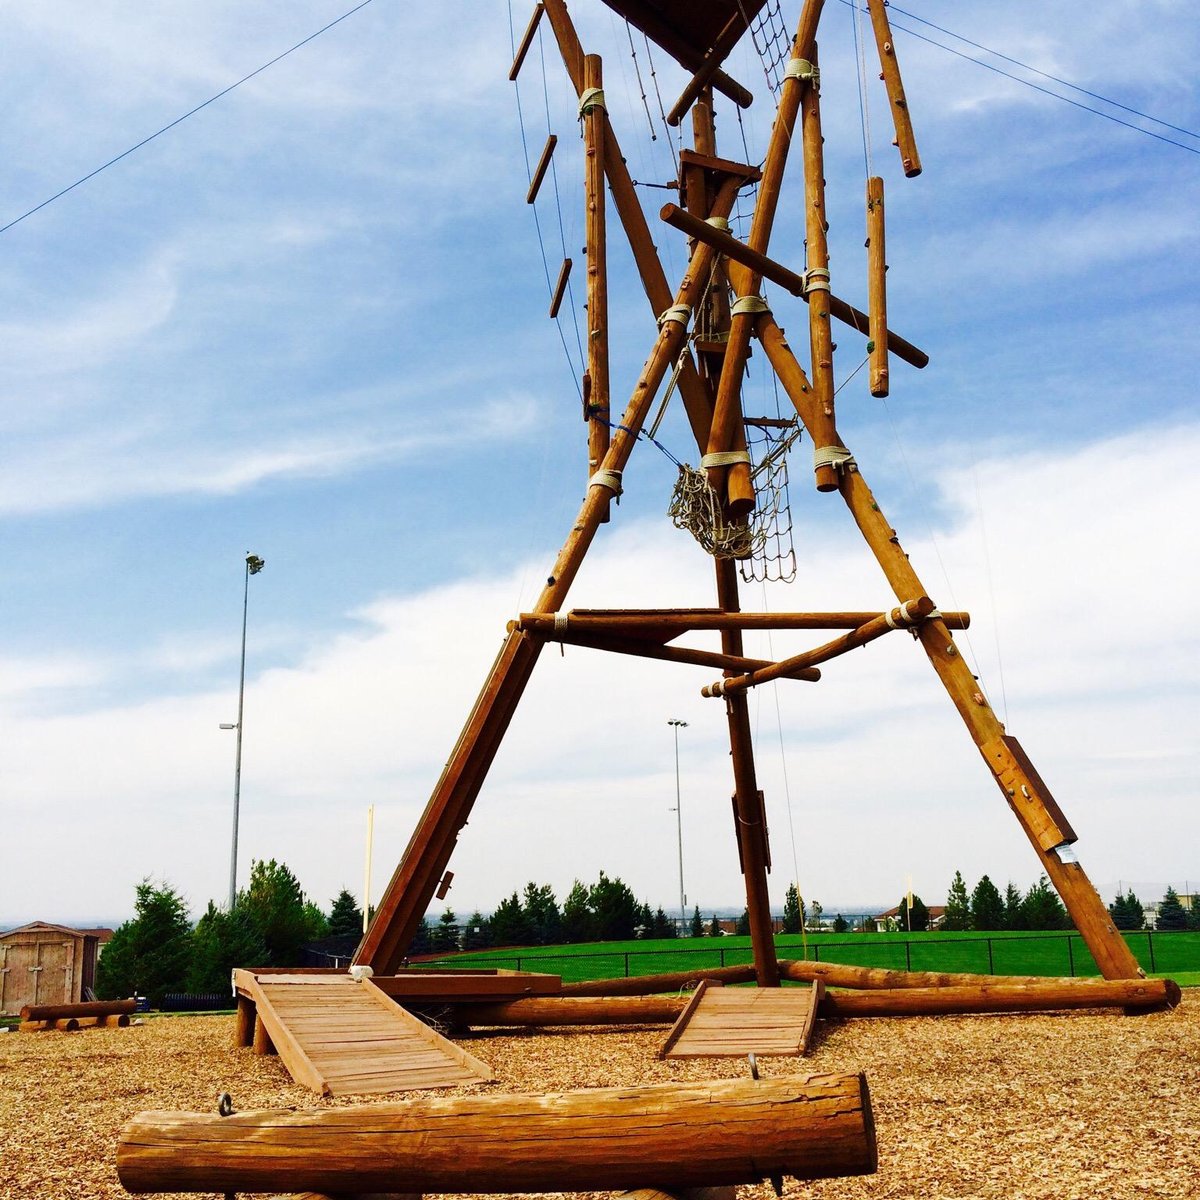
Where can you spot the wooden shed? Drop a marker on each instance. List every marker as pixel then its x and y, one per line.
pixel 42 963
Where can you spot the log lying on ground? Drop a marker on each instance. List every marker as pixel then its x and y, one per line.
pixel 1046 996
pixel 846 976
pixel 725 1132
pixel 86 1008
pixel 576 1010
pixel 70 1024
pixel 647 985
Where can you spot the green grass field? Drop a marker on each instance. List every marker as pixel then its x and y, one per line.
pixel 1173 954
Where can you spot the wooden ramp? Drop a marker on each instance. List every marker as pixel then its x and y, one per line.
pixel 722 1022
pixel 341 1037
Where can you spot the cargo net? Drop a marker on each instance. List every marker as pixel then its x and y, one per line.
pixel 761 542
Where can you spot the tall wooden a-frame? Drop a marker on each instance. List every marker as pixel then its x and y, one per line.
pixel 700 34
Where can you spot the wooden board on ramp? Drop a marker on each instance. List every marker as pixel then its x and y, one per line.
pixel 342 1037
pixel 722 1022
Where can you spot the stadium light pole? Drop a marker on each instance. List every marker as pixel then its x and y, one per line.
pixel 254 564
pixel 678 725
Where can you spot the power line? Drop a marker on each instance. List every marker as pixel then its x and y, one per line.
pixel 179 120
pixel 1047 91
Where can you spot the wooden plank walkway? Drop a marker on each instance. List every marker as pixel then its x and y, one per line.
pixel 340 1037
pixel 722 1022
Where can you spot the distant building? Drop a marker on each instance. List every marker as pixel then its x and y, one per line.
pixel 891 918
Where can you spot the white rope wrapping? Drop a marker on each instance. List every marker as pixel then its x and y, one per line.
pixel 816 279
pixel 608 479
pixel 718 223
pixel 560 622
pixel 679 313
pixel 591 98
pixel 750 305
pixel 725 458
pixel 901 619
pixel 802 69
pixel 831 456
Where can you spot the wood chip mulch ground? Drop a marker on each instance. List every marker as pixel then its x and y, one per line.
pixel 1083 1106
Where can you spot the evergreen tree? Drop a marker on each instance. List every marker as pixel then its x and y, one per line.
pixel 443 938
pixel 1127 911
pixel 316 923
pixel 576 915
pixel 345 917
pixel 1042 909
pixel 919 918
pixel 1171 914
pixel 421 940
pixel 645 921
pixel 714 927
pixel 664 927
pixel 542 918
pixel 477 934
pixel 614 909
pixel 840 924
pixel 149 954
pixel 987 906
pixel 509 927
pixel 1014 914
pixel 275 908
pixel 220 942
pixel 793 910
pixel 697 923
pixel 958 906
pixel 743 923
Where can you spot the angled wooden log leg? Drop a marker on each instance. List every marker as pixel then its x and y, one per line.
pixel 905 140
pixel 1036 811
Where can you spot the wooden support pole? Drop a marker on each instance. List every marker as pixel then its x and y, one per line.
pixel 575 1010
pixel 1049 996
pixel 644 648
pixel 595 119
pixel 890 75
pixel 648 985
pixel 243 1027
pixel 721 1132
pixel 906 616
pixel 262 1039
pixel 722 44
pixel 748 810
pixel 819 332
pixel 731 247
pixel 663 624
pixel 415 879
pixel 877 287
pixel 526 42
pixel 83 1008
pixel 696 400
pixel 539 172
pixel 1087 910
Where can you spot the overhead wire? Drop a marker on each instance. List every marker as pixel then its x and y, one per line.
pixel 179 120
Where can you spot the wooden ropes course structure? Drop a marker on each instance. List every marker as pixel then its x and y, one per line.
pixel 707 324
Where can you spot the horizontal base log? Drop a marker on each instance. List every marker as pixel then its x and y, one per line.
pixel 844 975
pixel 71 1024
pixel 647 985
pixel 1048 996
pixel 575 1010
pixel 681 1135
pixel 85 1008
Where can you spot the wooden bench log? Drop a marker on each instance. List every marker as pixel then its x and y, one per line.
pixel 72 1024
pixel 647 985
pixel 694 1135
pixel 85 1008
pixel 576 1010
pixel 1047 996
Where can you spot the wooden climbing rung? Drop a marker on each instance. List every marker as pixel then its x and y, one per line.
pixel 725 1022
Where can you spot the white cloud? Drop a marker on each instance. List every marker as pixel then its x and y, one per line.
pixel 883 779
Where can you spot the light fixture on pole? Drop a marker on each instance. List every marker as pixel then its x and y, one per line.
pixel 678 725
pixel 254 564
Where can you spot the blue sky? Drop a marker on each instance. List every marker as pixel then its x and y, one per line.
pixel 310 322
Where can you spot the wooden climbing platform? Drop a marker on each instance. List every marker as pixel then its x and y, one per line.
pixel 339 1036
pixel 722 1022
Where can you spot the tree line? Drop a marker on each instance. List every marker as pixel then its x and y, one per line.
pixel 159 951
